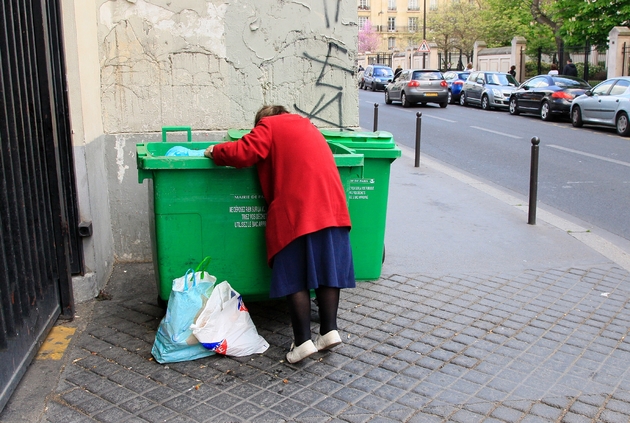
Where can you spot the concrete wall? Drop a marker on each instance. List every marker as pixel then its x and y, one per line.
pixel 135 66
pixel 494 59
pixel 618 62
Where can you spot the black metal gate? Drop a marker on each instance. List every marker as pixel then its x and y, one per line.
pixel 625 60
pixel 37 196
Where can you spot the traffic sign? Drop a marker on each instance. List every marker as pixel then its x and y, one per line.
pixel 424 47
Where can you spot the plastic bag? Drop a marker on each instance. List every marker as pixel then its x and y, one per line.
pixel 174 340
pixel 183 151
pixel 225 326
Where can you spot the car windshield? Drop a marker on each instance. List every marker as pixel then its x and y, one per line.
pixel 383 72
pixel 500 79
pixel 427 76
pixel 570 83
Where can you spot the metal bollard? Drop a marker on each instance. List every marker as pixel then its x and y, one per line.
pixel 418 131
pixel 533 182
pixel 375 117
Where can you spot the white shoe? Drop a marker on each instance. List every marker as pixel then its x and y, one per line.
pixel 299 353
pixel 325 342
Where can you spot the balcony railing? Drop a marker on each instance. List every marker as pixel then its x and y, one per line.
pixel 364 7
pixel 413 8
pixel 398 29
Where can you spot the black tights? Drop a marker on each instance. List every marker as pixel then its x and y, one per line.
pixel 300 311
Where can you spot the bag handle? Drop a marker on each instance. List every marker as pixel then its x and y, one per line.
pixel 203 265
pixel 193 279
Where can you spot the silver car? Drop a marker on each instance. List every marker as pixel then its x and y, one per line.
pixel 488 89
pixel 418 86
pixel 607 104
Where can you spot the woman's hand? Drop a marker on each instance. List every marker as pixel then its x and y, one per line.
pixel 208 152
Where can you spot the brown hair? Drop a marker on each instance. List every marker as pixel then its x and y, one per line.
pixel 266 111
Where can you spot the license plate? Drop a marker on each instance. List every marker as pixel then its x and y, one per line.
pixel 430 94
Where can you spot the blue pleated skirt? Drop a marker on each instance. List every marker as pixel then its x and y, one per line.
pixel 322 258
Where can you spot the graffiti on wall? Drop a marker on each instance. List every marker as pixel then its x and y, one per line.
pixel 332 95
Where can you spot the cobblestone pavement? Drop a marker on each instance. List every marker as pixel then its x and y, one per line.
pixel 478 317
pixel 547 345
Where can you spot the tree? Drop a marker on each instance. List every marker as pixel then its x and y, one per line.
pixel 531 19
pixel 591 21
pixel 369 40
pixel 455 27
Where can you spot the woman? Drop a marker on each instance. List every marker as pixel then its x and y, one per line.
pixel 308 224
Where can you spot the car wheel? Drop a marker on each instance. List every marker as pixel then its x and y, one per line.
pixel 387 99
pixel 443 105
pixel 485 102
pixel 462 99
pixel 623 128
pixel 513 106
pixel 545 112
pixel 403 100
pixel 576 117
pixel 450 97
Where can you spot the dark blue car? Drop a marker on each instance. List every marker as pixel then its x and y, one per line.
pixel 455 81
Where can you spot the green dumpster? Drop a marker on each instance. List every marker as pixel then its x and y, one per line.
pixel 367 196
pixel 199 209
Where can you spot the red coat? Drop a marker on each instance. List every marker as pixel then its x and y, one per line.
pixel 298 176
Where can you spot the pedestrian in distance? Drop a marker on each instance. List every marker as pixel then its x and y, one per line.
pixel 554 70
pixel 308 223
pixel 469 68
pixel 512 71
pixel 397 72
pixel 570 69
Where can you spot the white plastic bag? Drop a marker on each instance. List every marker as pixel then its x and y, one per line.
pixel 225 326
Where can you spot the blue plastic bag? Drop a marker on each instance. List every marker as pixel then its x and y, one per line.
pixel 174 340
pixel 183 152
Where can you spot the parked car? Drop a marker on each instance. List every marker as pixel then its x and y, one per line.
pixel 547 95
pixel 488 89
pixel 455 81
pixel 607 104
pixel 376 77
pixel 418 86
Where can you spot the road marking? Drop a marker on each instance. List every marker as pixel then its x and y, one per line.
pixel 433 117
pixel 56 343
pixel 496 132
pixel 595 156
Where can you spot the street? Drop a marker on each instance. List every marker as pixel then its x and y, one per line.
pixel 583 172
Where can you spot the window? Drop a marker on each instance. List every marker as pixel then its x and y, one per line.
pixel 391 24
pixel 412 23
pixel 620 87
pixel 364 5
pixel 433 5
pixel 413 5
pixel 603 88
pixel 391 43
pixel 391 4
pixel 362 21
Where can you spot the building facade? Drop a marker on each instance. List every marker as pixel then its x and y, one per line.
pixel 401 23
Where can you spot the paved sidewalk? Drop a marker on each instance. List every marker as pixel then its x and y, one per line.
pixel 478 317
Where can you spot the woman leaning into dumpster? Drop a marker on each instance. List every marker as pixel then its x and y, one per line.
pixel 308 224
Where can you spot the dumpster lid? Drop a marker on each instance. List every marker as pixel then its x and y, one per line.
pixel 152 156
pixel 360 139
